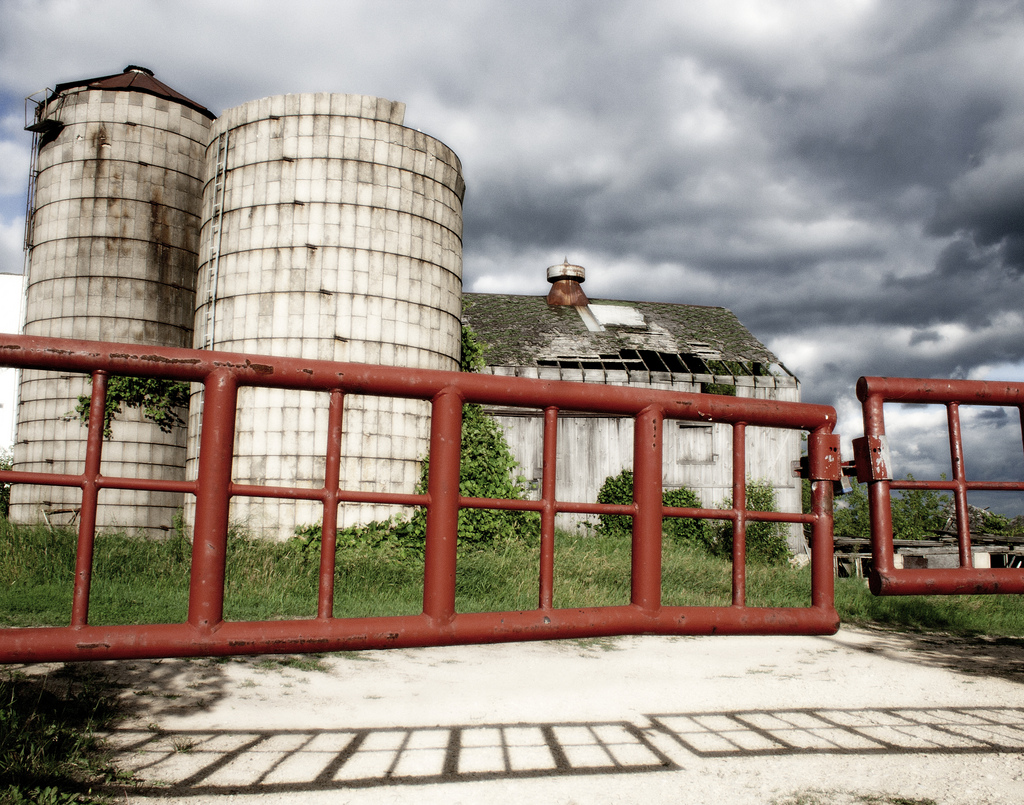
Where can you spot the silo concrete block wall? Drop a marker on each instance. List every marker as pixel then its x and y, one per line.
pixel 114 254
pixel 339 237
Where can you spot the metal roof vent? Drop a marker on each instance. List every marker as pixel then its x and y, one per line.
pixel 565 282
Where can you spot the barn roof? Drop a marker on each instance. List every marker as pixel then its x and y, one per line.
pixel 658 336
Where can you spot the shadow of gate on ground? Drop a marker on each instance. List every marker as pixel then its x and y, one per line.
pixel 201 762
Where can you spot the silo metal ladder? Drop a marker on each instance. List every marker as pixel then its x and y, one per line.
pixel 216 216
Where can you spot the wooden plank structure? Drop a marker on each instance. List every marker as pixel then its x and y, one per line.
pixel 853 554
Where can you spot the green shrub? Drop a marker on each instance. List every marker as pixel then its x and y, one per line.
pixel 765 542
pixel 160 401
pixel 992 523
pixel 487 470
pixel 683 529
pixel 916 513
pixel 471 358
pixel 618 489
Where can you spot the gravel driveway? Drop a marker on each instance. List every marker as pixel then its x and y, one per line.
pixel 860 717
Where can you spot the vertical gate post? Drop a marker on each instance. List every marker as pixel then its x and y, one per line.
pixel 329 522
pixel 824 464
pixel 822 548
pixel 90 497
pixel 213 494
pixel 647 499
pixel 879 497
pixel 547 514
pixel 442 506
pixel 956 454
pixel 739 508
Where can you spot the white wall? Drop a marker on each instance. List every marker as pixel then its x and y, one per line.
pixel 695 455
pixel 11 297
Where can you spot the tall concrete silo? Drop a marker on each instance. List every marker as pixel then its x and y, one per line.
pixel 330 231
pixel 113 242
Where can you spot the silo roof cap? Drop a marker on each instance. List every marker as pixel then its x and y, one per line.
pixel 137 79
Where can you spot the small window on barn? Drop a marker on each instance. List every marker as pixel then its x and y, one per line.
pixel 696 444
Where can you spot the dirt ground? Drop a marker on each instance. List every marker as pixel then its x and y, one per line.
pixel 860 717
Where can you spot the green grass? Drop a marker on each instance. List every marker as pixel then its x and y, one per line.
pixel 996 615
pixel 304 662
pixel 140 581
pixel 144 581
pixel 48 752
pixel 134 580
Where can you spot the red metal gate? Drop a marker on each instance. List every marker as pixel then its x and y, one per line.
pixel 205 631
pixel 874 466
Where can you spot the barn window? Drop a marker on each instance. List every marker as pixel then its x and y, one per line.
pixel 696 444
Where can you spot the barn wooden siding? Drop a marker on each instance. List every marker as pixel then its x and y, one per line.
pixel 696 455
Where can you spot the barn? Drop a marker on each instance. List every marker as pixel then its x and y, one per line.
pixel 691 348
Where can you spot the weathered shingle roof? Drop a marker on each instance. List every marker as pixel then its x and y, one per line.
pixel 526 331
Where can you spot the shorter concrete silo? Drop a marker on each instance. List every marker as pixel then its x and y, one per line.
pixel 330 231
pixel 113 242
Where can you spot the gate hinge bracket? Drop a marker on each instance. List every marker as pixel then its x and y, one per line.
pixel 822 462
pixel 872 457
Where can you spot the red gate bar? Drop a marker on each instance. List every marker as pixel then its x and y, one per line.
pixel 90 491
pixel 206 633
pixel 874 468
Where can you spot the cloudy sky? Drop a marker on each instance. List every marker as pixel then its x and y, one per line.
pixel 847 177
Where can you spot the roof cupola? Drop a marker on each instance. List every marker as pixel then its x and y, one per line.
pixel 566 287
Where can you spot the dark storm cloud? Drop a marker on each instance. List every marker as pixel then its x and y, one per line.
pixel 989 211
pixel 991 445
pixel 899 143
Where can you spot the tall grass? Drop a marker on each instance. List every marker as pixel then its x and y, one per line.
pixel 141 581
pixel 134 580
pixel 280 580
pixel 146 581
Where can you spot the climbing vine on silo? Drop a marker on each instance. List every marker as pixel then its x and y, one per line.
pixel 159 400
